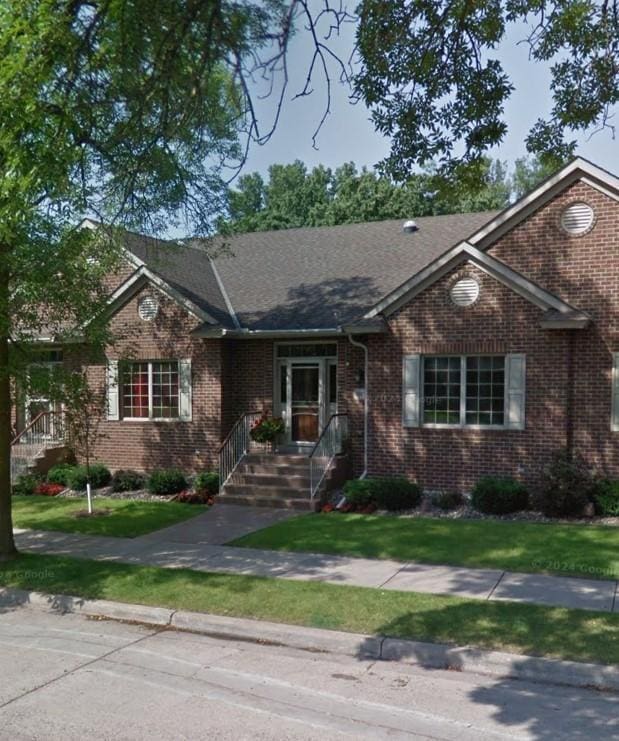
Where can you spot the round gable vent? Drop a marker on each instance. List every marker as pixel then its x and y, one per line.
pixel 464 292
pixel 148 308
pixel 577 218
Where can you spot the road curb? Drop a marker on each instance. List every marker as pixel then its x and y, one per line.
pixel 378 648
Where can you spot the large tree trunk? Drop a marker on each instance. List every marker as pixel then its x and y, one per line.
pixel 7 543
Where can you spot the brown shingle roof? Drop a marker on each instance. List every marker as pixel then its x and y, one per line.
pixel 309 278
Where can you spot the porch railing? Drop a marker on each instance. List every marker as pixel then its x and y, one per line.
pixel 329 444
pixel 45 430
pixel 235 446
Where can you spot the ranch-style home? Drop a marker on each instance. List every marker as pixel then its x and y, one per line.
pixel 443 348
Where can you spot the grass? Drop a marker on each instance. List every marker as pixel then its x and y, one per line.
pixel 545 631
pixel 125 519
pixel 579 550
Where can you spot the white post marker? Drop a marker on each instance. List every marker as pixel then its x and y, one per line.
pixel 89 497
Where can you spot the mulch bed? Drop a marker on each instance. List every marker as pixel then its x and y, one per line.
pixel 466 512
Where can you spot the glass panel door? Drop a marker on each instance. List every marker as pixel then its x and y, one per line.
pixel 305 402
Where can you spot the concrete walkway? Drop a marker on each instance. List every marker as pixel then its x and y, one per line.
pixel 196 544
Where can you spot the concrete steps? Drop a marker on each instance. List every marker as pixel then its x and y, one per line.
pixel 270 480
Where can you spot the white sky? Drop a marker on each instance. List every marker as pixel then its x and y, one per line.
pixel 348 134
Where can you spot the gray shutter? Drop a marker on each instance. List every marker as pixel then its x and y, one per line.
pixel 515 389
pixel 614 420
pixel 184 376
pixel 411 365
pixel 112 390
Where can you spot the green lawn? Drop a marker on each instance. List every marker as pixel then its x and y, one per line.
pixel 520 628
pixel 125 519
pixel 580 550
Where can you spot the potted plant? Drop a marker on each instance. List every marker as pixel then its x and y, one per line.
pixel 267 429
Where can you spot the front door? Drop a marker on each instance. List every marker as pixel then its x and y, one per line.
pixel 305 411
pixel 306 389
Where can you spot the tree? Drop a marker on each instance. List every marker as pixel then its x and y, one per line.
pixel 127 110
pixel 430 75
pixel 294 197
pixel 85 412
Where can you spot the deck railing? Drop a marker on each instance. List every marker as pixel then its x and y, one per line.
pixel 45 430
pixel 235 446
pixel 329 444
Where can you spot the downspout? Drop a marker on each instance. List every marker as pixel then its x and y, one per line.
pixel 356 343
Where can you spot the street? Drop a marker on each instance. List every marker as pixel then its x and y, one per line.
pixel 66 677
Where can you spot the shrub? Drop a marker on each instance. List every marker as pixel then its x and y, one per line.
pixel 447 500
pixel 49 490
pixel 358 492
pixel 566 487
pixel 207 483
pixel 127 480
pixel 25 485
pixel 166 481
pixel 395 493
pixel 607 499
pixel 499 496
pixel 267 429
pixel 59 474
pixel 78 477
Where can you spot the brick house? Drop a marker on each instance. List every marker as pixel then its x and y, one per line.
pixel 455 346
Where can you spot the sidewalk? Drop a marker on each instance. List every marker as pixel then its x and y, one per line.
pixel 191 547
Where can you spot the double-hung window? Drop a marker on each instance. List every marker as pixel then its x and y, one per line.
pixel 464 391
pixel 150 390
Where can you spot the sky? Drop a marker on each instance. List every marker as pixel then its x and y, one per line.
pixel 348 134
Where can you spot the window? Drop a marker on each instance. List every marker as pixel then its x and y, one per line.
pixel 150 390
pixel 467 390
pixel 307 350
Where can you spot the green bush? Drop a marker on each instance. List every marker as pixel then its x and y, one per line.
pixel 566 486
pixel 358 492
pixel 607 499
pixel 25 485
pixel 207 483
pixel 59 474
pixel 499 496
pixel 78 477
pixel 395 493
pixel 166 481
pixel 127 480
pixel 447 500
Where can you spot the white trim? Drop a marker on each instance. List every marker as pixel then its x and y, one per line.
pixel 138 279
pixel 495 268
pixel 224 293
pixel 578 169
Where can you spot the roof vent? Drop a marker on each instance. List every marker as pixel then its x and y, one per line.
pixel 577 218
pixel 409 227
pixel 464 292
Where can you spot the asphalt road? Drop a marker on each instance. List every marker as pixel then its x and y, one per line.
pixel 66 677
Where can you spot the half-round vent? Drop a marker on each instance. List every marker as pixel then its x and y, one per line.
pixel 577 218
pixel 464 292
pixel 147 308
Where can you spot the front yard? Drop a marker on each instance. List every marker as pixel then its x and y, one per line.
pixel 578 550
pixel 116 517
pixel 520 628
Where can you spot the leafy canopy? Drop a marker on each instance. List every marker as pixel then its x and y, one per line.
pixel 292 196
pixel 431 76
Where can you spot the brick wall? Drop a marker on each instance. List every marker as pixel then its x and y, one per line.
pixel 584 271
pixel 149 444
pixel 499 322
pixel 563 406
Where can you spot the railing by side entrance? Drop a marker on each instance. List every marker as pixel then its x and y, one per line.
pixel 44 431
